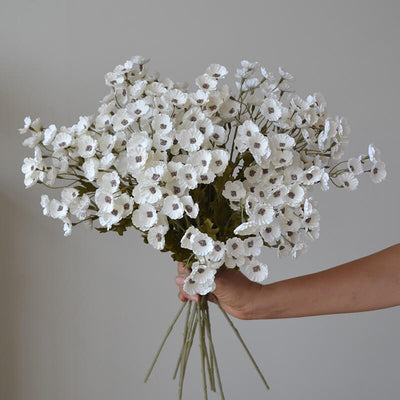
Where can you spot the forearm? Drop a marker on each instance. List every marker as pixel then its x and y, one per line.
pixel 369 283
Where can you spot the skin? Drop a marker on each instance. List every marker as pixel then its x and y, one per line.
pixel 368 283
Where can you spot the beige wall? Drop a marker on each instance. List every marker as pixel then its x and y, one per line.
pixel 81 317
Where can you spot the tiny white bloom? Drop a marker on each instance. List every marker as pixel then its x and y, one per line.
pixel 57 209
pixel 263 214
pixel 252 246
pixel 216 71
pixel 235 247
pixel 173 207
pixel 156 236
pixel 191 209
pixel 271 109
pixel 202 244
pixel 86 146
pixel 348 181
pixel 234 191
pixel 162 124
pixel 378 172
pixel 144 217
pixel 256 271
pixel 271 233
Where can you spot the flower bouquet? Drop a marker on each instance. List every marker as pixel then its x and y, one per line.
pixel 209 174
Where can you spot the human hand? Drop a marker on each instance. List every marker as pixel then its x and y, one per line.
pixel 236 294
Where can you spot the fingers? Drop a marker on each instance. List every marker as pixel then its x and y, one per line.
pixel 180 280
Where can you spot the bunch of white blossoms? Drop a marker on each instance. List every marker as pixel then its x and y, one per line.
pixel 210 175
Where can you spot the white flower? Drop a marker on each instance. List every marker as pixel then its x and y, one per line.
pixel 176 97
pixel 187 238
pixel 252 246
pixel 35 125
pixel 234 191
pixel 348 181
pixel 312 175
pixel 245 131
pixel 255 271
pixel 176 187
pixel 109 219
pixel 263 214
pixel 201 160
pixel 44 202
pixel 293 174
pixel 162 142
pixel 144 217
pixel 162 124
pixel 199 97
pixel 219 135
pixel 295 196
pixel 191 286
pixel 271 233
pixel 86 146
pixel 156 236
pixel 285 75
pixel 69 195
pixel 218 252
pixel 91 168
pixel 283 141
pixel 109 181
pixel 80 207
pixel 219 162
pixel 147 192
pixel 229 109
pixel 135 91
pixel 246 228
pixel 191 209
pixel 202 273
pixel 107 161
pixel 155 173
pixel 67 226
pixel 374 154
pixel 188 175
pixel 284 250
pixel 61 141
pixel 173 207
pixel 104 200
pixel 57 209
pixel 378 172
pixel 259 148
pixel 233 262
pixel 202 244
pixel 49 134
pixel 282 158
pixel 206 82
pixel 205 126
pixel 137 109
pixel 216 71
pixel 190 139
pixel 235 247
pixel 355 166
pixel 271 109
pixel 206 177
pixel 278 195
pixel 121 120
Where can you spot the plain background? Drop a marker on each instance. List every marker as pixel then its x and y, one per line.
pixel 81 317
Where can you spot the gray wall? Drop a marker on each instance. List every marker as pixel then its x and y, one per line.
pixel 81 317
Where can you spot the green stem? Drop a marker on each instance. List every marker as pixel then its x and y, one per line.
pixel 241 341
pixel 202 349
pixel 164 340
pixel 212 351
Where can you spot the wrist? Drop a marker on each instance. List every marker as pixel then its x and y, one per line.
pixel 265 303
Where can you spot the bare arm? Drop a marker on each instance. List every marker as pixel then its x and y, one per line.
pixel 369 283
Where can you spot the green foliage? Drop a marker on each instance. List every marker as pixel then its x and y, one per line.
pixel 120 228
